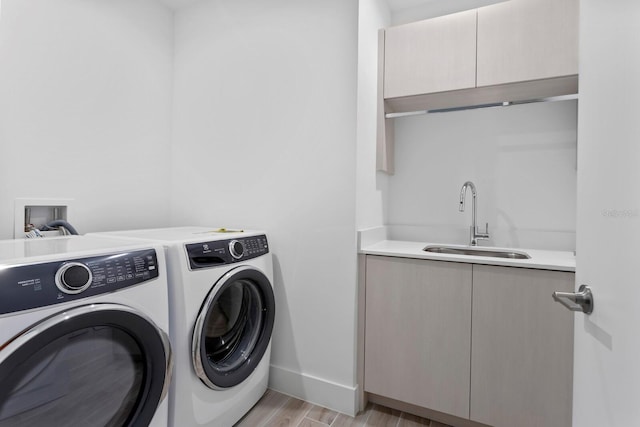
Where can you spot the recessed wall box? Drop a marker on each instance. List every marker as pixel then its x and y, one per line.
pixel 36 213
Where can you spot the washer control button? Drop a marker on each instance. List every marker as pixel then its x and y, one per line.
pixel 73 278
pixel 236 248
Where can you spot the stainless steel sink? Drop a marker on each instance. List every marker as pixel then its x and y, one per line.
pixel 488 252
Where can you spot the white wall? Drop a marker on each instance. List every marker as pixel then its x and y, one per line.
pixel 521 158
pixel 265 137
pixel 371 186
pixel 85 109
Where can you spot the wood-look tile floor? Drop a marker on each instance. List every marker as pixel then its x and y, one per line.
pixel 276 409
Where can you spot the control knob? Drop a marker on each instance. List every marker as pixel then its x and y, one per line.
pixel 73 278
pixel 236 249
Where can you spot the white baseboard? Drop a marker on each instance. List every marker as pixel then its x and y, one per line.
pixel 318 391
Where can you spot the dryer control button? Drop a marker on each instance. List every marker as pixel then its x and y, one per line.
pixel 236 248
pixel 73 278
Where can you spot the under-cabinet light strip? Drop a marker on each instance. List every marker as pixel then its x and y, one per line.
pixel 473 107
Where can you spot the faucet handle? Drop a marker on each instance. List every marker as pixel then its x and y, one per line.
pixel 482 236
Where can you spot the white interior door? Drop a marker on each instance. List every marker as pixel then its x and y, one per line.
pixel 607 343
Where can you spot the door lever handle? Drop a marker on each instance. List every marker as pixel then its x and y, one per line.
pixel 576 301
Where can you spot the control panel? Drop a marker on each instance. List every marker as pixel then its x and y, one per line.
pixel 221 252
pixel 30 286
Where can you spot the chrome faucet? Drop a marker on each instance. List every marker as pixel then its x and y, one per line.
pixel 474 234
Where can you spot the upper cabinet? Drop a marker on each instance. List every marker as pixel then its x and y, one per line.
pixel 434 55
pixel 518 50
pixel 523 40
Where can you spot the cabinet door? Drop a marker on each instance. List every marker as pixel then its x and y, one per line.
pixel 418 332
pixel 522 352
pixel 429 56
pixel 522 40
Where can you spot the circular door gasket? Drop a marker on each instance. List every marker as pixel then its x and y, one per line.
pixel 153 343
pixel 233 329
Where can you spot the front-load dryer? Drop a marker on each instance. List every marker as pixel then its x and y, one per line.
pixel 82 333
pixel 222 310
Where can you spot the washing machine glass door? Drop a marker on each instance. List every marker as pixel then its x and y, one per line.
pixel 95 365
pixel 233 329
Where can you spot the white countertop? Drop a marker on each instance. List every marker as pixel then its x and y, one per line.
pixel 540 259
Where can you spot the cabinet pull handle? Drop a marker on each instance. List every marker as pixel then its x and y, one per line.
pixel 576 301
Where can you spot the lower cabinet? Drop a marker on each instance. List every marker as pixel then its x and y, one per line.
pixel 481 343
pixel 522 352
pixel 418 332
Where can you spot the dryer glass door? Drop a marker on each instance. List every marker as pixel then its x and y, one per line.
pixel 98 365
pixel 233 328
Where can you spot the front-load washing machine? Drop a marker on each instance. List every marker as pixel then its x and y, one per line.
pixel 82 339
pixel 222 310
